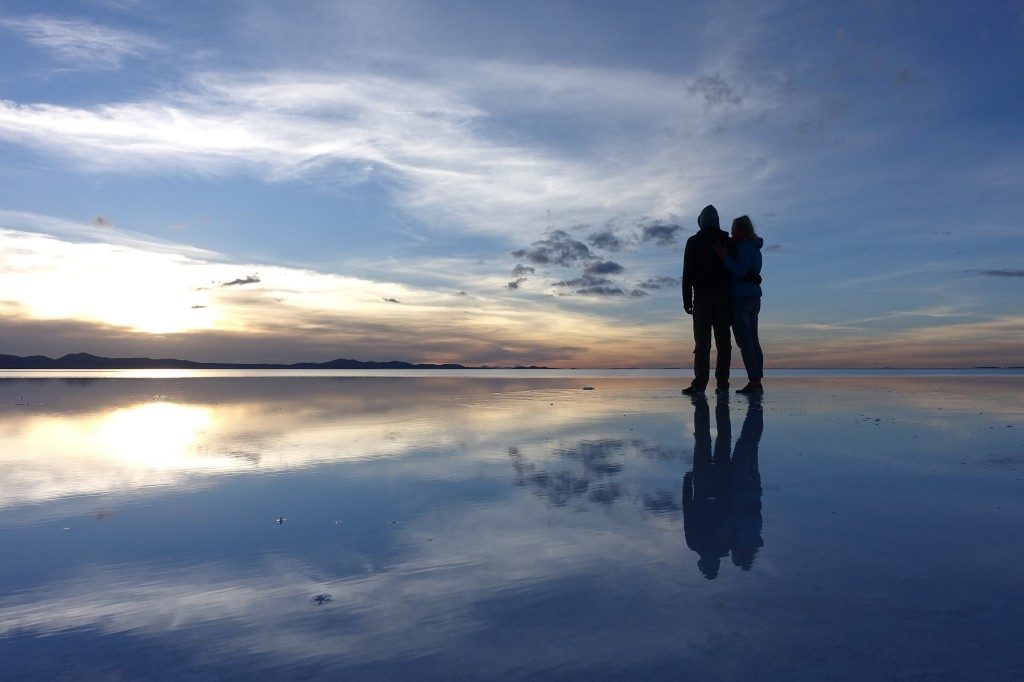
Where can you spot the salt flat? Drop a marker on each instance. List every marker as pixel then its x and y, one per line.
pixel 502 527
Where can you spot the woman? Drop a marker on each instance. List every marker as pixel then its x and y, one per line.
pixel 746 297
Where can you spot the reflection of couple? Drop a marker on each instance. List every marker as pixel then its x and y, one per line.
pixel 722 286
pixel 722 494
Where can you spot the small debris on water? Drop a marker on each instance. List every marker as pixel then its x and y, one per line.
pixel 588 388
pixel 281 520
pixel 321 599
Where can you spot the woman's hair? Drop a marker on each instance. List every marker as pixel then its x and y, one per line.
pixel 745 226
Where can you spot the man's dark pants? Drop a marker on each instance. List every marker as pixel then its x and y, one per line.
pixel 711 314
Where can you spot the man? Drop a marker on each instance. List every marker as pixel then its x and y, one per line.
pixel 706 289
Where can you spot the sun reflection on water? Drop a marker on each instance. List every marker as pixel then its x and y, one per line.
pixel 155 435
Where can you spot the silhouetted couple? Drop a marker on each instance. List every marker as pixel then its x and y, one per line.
pixel 722 287
pixel 722 494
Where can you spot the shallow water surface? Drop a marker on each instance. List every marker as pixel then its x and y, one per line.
pixel 505 527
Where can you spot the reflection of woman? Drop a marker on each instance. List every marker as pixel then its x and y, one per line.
pixel 746 298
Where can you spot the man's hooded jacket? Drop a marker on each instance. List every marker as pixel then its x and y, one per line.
pixel 703 272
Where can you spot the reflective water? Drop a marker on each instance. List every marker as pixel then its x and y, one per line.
pixel 474 528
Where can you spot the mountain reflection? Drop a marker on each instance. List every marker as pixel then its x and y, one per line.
pixel 722 494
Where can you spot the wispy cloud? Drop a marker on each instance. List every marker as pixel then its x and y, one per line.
pixel 80 43
pixel 993 341
pixel 600 290
pixel 435 143
pixel 1003 272
pixel 715 91
pixel 655 283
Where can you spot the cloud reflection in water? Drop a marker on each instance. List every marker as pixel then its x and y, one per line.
pixel 538 529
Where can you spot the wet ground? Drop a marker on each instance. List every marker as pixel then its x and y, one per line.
pixel 480 528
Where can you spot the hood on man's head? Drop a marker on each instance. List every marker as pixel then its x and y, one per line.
pixel 708 218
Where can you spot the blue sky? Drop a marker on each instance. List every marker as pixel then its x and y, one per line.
pixel 281 182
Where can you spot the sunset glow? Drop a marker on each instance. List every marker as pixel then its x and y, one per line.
pixel 366 187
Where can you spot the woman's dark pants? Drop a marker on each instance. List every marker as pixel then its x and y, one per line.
pixel 744 325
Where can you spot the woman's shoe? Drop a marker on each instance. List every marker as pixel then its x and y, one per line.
pixel 752 387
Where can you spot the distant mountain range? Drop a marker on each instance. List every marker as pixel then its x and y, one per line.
pixel 88 361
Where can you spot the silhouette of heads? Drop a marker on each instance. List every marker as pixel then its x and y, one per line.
pixel 743 228
pixel 708 218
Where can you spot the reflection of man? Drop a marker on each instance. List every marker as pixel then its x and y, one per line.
pixel 722 495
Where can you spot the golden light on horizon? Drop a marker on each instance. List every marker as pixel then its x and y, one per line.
pixel 151 292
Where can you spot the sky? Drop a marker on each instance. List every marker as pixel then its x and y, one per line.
pixel 508 183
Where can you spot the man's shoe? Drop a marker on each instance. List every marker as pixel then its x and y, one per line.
pixel 752 387
pixel 722 388
pixel 693 390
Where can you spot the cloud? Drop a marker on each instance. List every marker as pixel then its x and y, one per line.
pixel 584 280
pixel 390 300
pixel 1004 272
pixel 600 290
pixel 250 279
pixel 715 91
pixel 80 42
pixel 831 108
pixel 905 76
pixel 519 270
pixel 638 293
pixel 514 284
pixel 34 223
pixel 67 294
pixel 605 240
pixel 100 221
pixel 655 283
pixel 585 470
pixel 773 247
pixel 557 248
pixel 660 233
pixel 608 267
pixel 451 150
pixel 988 342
